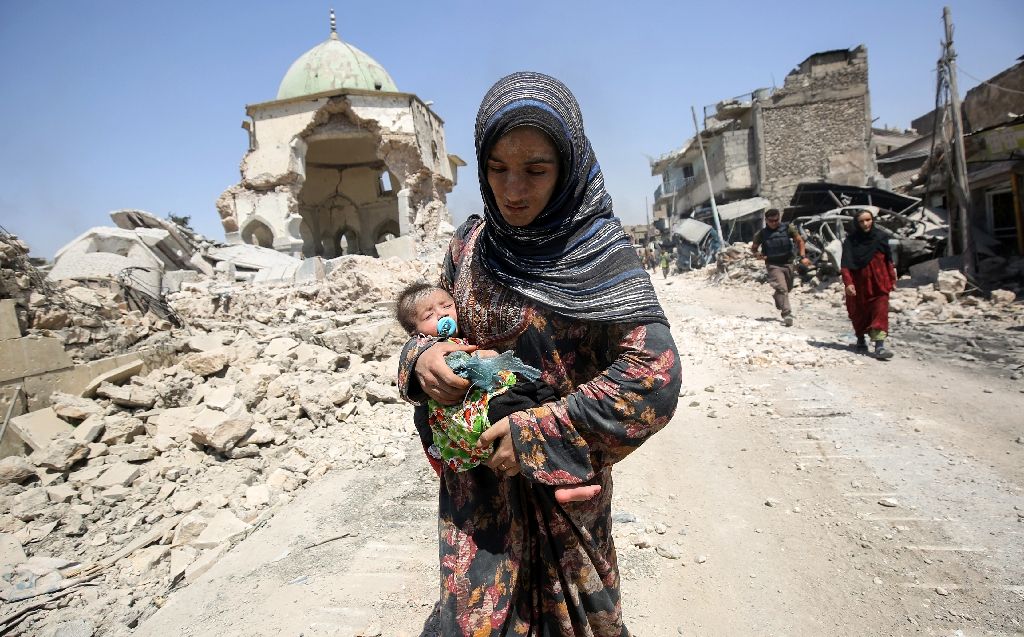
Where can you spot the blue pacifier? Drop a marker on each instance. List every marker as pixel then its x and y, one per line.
pixel 446 327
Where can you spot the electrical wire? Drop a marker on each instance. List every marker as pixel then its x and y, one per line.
pixel 987 83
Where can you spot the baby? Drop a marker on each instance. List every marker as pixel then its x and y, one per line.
pixel 453 431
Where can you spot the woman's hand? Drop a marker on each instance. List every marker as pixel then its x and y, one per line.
pixel 851 290
pixel 503 460
pixel 437 380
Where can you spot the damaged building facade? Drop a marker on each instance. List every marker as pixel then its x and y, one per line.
pixel 341 162
pixel 761 146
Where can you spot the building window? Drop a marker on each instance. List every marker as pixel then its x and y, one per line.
pixel 687 170
pixel 1001 218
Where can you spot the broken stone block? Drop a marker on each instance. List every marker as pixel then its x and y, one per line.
pixel 146 559
pixel 120 430
pixel 296 463
pixel 181 557
pixel 220 398
pixel 30 356
pixel 340 392
pixel 163 443
pixel 262 433
pixel 73 407
pixel 131 396
pixel 951 283
pixel 279 346
pixel 30 504
pixel 74 524
pixel 220 430
pixel 315 357
pixel 16 470
pixel 113 495
pixel 185 501
pixel 9 327
pixel 173 422
pixel 60 454
pixel 86 476
pixel 117 376
pixel 121 474
pixel 381 393
pixel 61 493
pixel 89 430
pixel 1003 297
pixel 189 529
pixel 257 495
pixel 224 527
pixel 284 480
pixel 38 428
pixel 135 452
pixel 207 363
pixel 11 553
pixel 206 342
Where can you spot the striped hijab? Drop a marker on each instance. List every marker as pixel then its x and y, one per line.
pixel 574 258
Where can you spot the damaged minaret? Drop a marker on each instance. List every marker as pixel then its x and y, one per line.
pixel 341 163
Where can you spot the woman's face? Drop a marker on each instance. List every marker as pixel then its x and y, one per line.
pixel 522 171
pixel 865 221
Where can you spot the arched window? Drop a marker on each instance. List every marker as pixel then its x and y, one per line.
pixel 258 233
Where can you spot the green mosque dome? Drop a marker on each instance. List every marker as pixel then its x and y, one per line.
pixel 333 65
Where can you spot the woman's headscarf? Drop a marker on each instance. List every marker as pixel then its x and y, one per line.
pixel 574 258
pixel 860 247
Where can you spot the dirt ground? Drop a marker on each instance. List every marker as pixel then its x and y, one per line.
pixel 828 494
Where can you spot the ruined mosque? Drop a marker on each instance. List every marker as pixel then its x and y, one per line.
pixel 341 162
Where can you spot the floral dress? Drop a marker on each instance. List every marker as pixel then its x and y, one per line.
pixel 513 560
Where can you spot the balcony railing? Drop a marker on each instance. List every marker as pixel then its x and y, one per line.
pixel 672 186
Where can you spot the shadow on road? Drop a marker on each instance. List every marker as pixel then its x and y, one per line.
pixel 843 347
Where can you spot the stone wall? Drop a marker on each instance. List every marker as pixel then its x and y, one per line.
pixel 817 127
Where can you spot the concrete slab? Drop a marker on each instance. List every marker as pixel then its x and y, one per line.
pixel 38 428
pixel 31 355
pixel 312 269
pixel 72 380
pixel 401 247
pixel 8 320
pixel 115 376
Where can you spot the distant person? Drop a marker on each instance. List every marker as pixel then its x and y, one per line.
pixel 776 243
pixel 664 265
pixel 869 276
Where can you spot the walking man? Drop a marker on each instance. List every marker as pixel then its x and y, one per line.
pixel 775 244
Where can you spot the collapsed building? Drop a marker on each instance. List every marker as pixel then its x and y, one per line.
pixel 816 127
pixel 807 148
pixel 340 162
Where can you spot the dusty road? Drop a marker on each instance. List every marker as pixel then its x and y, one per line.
pixel 800 490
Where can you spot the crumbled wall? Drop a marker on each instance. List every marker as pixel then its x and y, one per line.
pixel 408 139
pixel 818 126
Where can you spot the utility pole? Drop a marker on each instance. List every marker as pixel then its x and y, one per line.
pixel 707 174
pixel 960 187
pixel 647 228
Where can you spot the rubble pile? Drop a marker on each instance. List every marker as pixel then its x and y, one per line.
pixel 913 301
pixel 142 483
pixel 92 319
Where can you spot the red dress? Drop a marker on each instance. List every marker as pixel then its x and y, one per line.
pixel 869 310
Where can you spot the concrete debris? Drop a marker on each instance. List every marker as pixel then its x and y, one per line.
pixel 15 470
pixel 154 463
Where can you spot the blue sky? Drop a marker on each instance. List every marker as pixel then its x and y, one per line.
pixel 129 104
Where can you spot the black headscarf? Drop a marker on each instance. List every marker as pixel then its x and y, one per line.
pixel 574 258
pixel 860 247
